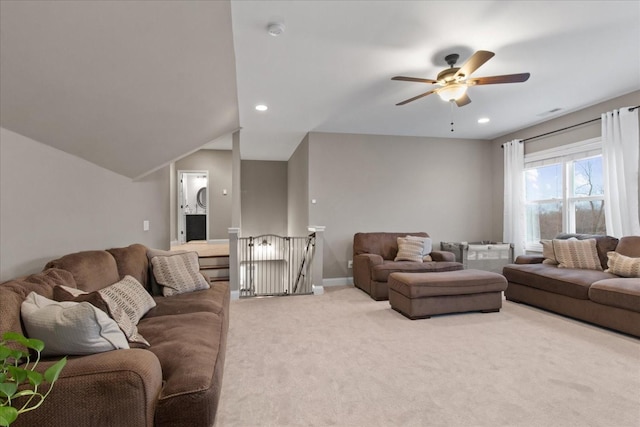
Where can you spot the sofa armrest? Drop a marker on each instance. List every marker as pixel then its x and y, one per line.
pixel 529 259
pixel 362 268
pixel 442 256
pixel 117 388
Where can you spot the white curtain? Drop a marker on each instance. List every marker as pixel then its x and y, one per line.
pixel 620 146
pixel 514 213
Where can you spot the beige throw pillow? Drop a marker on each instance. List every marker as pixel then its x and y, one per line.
pixel 126 302
pixel 70 328
pixel 410 248
pixel 548 252
pixel 178 273
pixel 623 266
pixel 577 254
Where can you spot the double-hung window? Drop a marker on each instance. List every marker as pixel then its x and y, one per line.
pixel 564 192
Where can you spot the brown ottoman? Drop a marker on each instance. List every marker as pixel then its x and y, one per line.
pixel 422 295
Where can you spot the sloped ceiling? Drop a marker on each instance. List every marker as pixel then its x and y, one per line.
pixel 127 85
pixel 331 69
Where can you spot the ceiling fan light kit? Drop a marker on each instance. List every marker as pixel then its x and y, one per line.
pixel 454 81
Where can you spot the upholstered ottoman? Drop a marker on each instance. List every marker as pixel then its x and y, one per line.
pixel 422 295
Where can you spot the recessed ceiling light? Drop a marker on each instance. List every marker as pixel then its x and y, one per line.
pixel 484 120
pixel 261 107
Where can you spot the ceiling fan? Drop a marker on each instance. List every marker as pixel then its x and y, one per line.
pixel 455 81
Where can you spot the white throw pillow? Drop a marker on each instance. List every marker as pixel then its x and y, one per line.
pixel 622 266
pixel 70 328
pixel 178 273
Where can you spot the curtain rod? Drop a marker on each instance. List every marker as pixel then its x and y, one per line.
pixel 569 127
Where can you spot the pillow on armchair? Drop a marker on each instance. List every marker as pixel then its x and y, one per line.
pixel 412 248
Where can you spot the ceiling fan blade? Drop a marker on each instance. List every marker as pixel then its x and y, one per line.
pixel 413 79
pixel 492 80
pixel 415 97
pixel 463 100
pixel 475 62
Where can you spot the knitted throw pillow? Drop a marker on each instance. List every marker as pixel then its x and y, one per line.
pixel 577 254
pixel 178 273
pixel 623 266
pixel 410 248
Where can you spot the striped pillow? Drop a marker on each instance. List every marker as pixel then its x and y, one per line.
pixel 577 254
pixel 623 266
pixel 178 273
pixel 410 248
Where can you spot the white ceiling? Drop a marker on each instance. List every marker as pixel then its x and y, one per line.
pixel 133 85
pixel 330 70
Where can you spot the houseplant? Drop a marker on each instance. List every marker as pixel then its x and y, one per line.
pixel 16 368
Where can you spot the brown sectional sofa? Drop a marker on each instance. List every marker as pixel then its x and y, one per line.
pixel 373 262
pixel 594 296
pixel 174 382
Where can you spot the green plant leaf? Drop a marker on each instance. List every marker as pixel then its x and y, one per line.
pixel 4 352
pixel 18 374
pixel 8 389
pixel 7 415
pixel 35 378
pixel 15 336
pixel 35 344
pixel 53 372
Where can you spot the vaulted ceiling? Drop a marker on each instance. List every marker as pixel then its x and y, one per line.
pixel 133 85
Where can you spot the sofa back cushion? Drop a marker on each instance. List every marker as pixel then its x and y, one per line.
pixel 91 270
pixel 381 243
pixel 629 246
pixel 14 292
pixel 604 244
pixel 132 261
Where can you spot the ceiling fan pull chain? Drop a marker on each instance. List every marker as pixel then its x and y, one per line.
pixel 451 102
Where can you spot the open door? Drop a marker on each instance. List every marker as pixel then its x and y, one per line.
pixel 193 209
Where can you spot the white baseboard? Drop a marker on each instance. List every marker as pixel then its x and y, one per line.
pixel 317 290
pixel 338 281
pixel 174 243
pixel 235 295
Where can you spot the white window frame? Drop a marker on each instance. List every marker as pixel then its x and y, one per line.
pixel 564 155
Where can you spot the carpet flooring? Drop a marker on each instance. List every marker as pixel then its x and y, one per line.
pixel 342 359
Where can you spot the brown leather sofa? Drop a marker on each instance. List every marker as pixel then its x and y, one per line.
pixel 373 262
pixel 176 381
pixel 590 295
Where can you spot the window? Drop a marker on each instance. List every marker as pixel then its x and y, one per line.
pixel 564 192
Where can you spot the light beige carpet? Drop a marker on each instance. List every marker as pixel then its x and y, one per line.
pixel 342 359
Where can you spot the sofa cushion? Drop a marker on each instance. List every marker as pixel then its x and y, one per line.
pixel 619 292
pixel 410 248
pixel 178 273
pixel 564 281
pixel 206 300
pixel 623 266
pixel 91 270
pixel 381 272
pixel 191 349
pixel 125 301
pixel 577 254
pixel 629 246
pixel 383 244
pixel 13 292
pixel 132 261
pixel 70 328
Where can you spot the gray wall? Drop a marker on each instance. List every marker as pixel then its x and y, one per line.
pixel 393 183
pixel 53 203
pixel 264 197
pixel 219 165
pixel 581 133
pixel 298 190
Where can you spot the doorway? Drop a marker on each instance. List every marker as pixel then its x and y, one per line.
pixel 193 207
